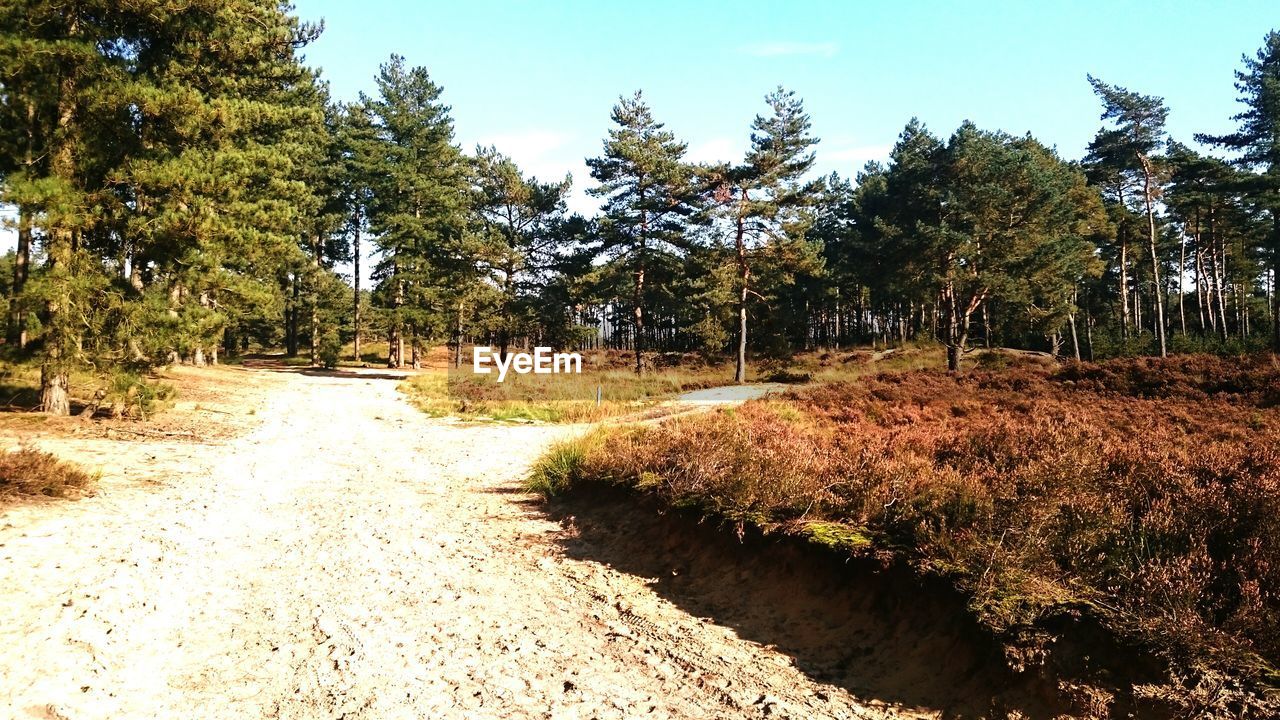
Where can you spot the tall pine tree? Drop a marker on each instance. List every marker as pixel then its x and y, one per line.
pixel 1257 140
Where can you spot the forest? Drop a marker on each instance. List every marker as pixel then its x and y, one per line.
pixel 185 190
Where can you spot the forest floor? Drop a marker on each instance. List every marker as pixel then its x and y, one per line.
pixel 295 544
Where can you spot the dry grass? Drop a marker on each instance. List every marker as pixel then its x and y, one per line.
pixel 1143 493
pixel 564 397
pixel 31 472
pixel 572 398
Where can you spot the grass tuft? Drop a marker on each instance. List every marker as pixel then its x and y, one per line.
pixel 31 472
pixel 562 466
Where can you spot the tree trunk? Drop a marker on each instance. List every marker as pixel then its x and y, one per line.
pixel 395 339
pixel 504 332
pixel 1182 291
pixel 1088 333
pixel 1071 320
pixel 355 301
pixel 986 328
pixel 1124 273
pixel 53 389
pixel 744 276
pixel 1218 262
pixel 1275 278
pixel 21 264
pixel 953 329
pixel 457 338
pixel 637 297
pixel 1157 288
pixel 291 319
pixel 313 345
pixel 1198 254
pixel 838 338
pixel 58 337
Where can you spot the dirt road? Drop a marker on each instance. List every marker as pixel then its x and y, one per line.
pixel 349 558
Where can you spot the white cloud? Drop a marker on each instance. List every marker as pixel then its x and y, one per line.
pixel 539 153
pixel 579 201
pixel 849 160
pixel 547 155
pixel 720 149
pixel 787 49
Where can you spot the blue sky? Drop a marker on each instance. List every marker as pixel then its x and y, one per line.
pixel 538 79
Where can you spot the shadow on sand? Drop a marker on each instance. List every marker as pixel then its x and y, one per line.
pixel 280 363
pixel 880 632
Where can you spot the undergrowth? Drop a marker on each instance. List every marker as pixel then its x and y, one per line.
pixel 1144 493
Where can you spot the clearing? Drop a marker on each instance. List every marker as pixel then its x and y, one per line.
pixel 345 556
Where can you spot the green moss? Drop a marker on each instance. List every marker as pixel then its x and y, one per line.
pixel 836 536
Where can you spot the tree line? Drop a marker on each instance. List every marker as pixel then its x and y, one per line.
pixel 185 189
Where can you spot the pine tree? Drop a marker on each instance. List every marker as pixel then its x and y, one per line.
pixel 647 192
pixel 360 148
pixel 985 221
pixel 766 202
pixel 1257 140
pixel 1130 149
pixel 518 218
pixel 420 208
pixel 164 196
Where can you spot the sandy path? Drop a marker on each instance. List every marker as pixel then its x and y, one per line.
pixel 349 558
pixel 730 394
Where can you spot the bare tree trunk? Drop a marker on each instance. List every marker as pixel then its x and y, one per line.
pixel 1088 333
pixel 1201 292
pixel 21 265
pixel 1157 288
pixel 637 298
pixel 313 345
pixel 355 296
pixel 198 356
pixel 291 320
pixel 504 332
pixel 395 339
pixel 953 342
pixel 1274 305
pixel 1182 274
pixel 839 331
pixel 1124 275
pixel 1071 319
pixel 744 277
pixel 457 338
pixel 986 327
pixel 1218 260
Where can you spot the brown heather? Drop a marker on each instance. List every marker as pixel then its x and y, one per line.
pixel 1145 493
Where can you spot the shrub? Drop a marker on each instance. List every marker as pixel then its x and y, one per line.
pixel 1147 490
pixel 131 395
pixel 330 349
pixel 27 471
